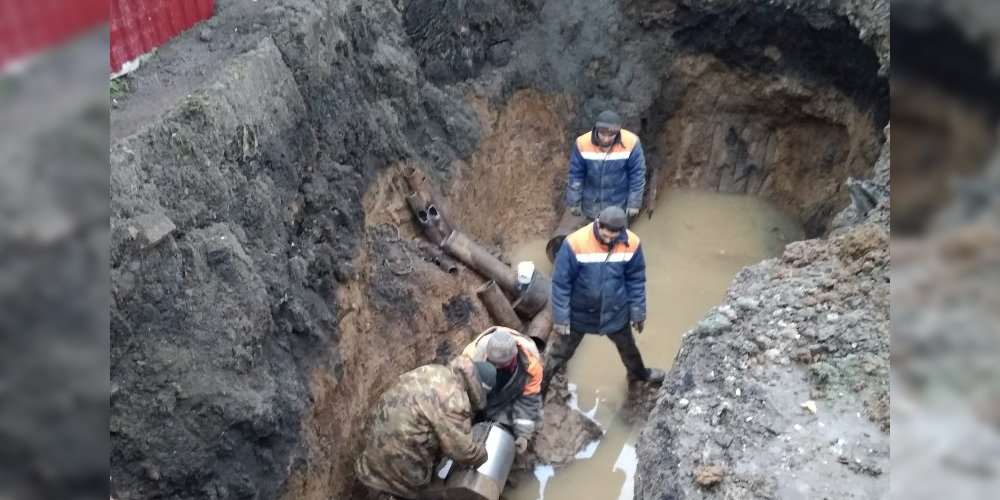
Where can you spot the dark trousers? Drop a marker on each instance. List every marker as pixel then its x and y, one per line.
pixel 565 346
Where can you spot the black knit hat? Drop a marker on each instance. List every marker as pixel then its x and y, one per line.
pixel 487 374
pixel 608 119
pixel 613 218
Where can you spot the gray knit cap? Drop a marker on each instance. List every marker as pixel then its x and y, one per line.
pixel 501 347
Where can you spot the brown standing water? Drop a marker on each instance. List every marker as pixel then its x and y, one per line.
pixel 694 245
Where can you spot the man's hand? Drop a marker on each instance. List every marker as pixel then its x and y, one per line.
pixel 632 213
pixel 522 445
pixel 577 211
pixel 638 326
pixel 561 329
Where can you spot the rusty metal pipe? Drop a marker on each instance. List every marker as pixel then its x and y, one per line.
pixel 418 182
pixel 540 327
pixel 422 211
pixel 434 255
pixel 476 257
pixel 446 263
pixel 498 306
pixel 532 300
pixel 437 219
pixel 567 225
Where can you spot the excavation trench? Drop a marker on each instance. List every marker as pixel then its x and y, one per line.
pixel 266 222
pixel 701 231
pixel 742 158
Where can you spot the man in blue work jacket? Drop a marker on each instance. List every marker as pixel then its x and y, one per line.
pixel 606 169
pixel 599 287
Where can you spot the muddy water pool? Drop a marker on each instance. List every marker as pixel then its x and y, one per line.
pixel 694 244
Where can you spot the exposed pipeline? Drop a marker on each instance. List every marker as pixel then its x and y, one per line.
pixel 498 306
pixel 535 297
pixel 540 327
pixel 567 225
pixel 418 183
pixel 476 257
pixel 422 210
pixel 435 255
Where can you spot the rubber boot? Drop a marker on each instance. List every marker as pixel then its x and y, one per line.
pixel 655 375
pixel 652 376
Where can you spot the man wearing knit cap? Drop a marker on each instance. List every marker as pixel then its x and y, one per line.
pixel 606 169
pixel 516 399
pixel 599 287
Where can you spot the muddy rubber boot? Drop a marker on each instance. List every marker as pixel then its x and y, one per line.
pixel 655 375
pixel 652 376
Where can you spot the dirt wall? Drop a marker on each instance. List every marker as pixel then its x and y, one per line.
pixel 236 217
pixel 510 189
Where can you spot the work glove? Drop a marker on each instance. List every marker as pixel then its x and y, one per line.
pixel 632 213
pixel 561 329
pixel 522 445
pixel 638 326
pixel 577 211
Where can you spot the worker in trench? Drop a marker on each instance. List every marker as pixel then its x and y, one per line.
pixel 599 287
pixel 606 169
pixel 516 400
pixel 427 415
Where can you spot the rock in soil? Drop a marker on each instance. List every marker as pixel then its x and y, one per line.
pixel 710 475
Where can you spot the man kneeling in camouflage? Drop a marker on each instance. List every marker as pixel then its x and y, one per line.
pixel 425 416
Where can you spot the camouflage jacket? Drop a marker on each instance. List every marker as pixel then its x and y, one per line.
pixel 426 414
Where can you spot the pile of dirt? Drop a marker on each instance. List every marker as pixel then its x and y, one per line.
pixel 945 378
pixel 54 288
pixel 255 310
pixel 786 384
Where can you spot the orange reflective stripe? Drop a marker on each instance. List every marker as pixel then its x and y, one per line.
pixel 534 385
pixel 583 241
pixel 633 239
pixel 534 368
pixel 628 142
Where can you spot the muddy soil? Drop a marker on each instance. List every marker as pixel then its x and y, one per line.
pixel 783 389
pixel 185 64
pixel 53 281
pixel 236 218
pixel 267 283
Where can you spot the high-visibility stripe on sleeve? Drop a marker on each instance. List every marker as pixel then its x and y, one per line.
pixel 603 257
pixel 598 155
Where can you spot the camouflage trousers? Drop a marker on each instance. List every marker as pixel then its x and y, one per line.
pixel 565 346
